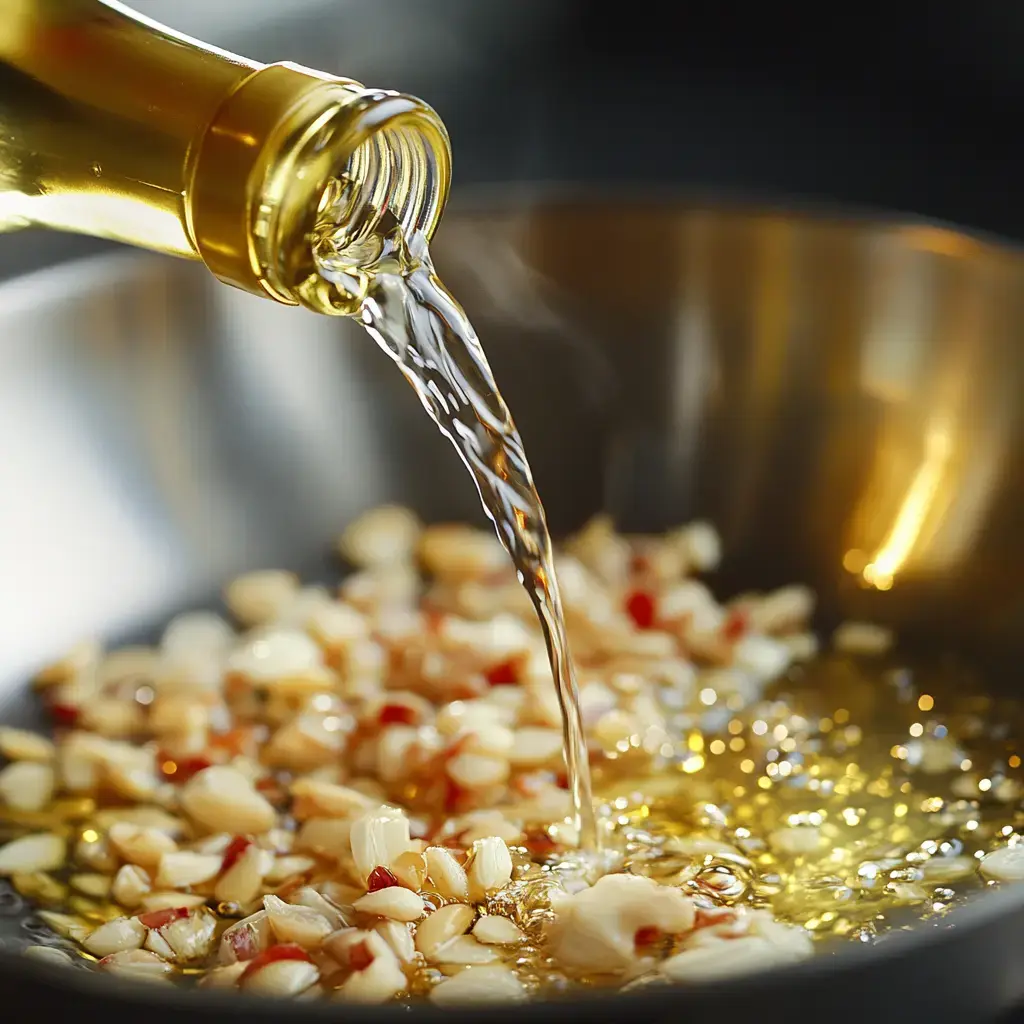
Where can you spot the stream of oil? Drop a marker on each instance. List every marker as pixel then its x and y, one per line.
pixel 416 321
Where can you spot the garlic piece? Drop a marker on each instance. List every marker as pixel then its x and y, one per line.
pixel 42 851
pixel 378 838
pixel 595 930
pixel 222 799
pixel 380 537
pixel 490 867
pixel 27 785
pixel 484 984
pixel 116 936
pixel 1004 865
pixel 184 868
pixel 497 931
pixel 394 902
pixel 22 745
pixel 443 925
pixel 303 925
pixel 447 875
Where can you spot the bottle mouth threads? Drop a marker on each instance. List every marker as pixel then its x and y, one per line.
pixel 296 164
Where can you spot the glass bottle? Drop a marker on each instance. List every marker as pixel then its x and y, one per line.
pixel 114 126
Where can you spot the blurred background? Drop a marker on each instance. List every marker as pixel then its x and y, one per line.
pixel 907 106
pixel 165 411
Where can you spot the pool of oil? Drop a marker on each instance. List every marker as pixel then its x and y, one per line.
pixel 854 798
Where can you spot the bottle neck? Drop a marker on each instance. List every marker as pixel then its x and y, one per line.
pixel 119 128
pixel 100 109
pixel 290 135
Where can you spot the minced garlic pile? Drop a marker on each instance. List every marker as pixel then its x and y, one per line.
pixel 359 792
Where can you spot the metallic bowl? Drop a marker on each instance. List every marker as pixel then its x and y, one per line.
pixel 842 397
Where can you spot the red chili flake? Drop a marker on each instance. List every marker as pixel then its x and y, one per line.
pixel 234 851
pixel 397 714
pixel 64 714
pixel 433 620
pixel 236 742
pixel 359 956
pixel 380 878
pixel 454 796
pixel 646 936
pixel 158 918
pixel 505 673
pixel 181 770
pixel 562 780
pixel 640 607
pixel 708 917
pixel 736 624
pixel 243 943
pixel 283 951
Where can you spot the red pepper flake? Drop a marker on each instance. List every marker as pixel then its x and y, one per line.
pixel 454 796
pixel 397 714
pixel 283 951
pixel 65 715
pixel 433 620
pixel 237 742
pixel 158 918
pixel 640 607
pixel 234 851
pixel 709 917
pixel 646 936
pixel 243 943
pixel 359 956
pixel 380 878
pixel 505 673
pixel 736 624
pixel 181 770
pixel 562 780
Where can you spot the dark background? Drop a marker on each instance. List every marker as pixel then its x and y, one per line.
pixel 904 107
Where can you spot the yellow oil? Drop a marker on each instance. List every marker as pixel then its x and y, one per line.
pixel 114 126
pixel 852 800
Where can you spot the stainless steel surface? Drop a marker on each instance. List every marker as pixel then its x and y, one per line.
pixel 816 387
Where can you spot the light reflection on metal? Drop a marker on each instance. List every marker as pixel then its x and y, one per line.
pixel 882 568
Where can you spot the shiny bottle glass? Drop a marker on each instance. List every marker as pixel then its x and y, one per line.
pixel 114 126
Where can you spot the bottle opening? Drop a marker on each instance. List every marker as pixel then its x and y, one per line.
pixel 381 165
pixel 391 190
pixel 295 162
